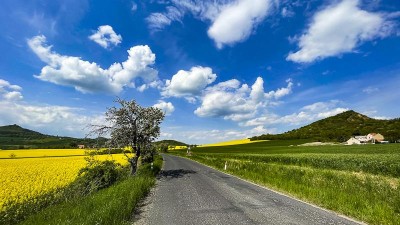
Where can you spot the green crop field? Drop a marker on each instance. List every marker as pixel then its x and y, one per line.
pixel 360 181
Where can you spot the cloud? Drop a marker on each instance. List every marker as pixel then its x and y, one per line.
pixel 157 21
pixel 281 92
pixel 237 20
pixel 337 29
pixel 105 36
pixel 189 83
pixel 232 100
pixel 9 91
pixel 89 77
pixel 166 107
pixel 307 114
pixel 287 12
pixel 231 21
pixel 50 119
pixel 134 7
pixel 165 135
pixel 370 90
pixel 55 120
pixel 216 135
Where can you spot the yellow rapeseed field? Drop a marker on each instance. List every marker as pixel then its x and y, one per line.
pixel 233 142
pixel 4 154
pixel 25 178
pixel 177 147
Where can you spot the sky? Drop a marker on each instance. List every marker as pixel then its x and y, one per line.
pixel 219 69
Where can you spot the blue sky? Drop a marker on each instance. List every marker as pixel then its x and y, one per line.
pixel 221 69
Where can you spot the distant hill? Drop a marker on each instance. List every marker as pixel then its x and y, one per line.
pixel 16 137
pixel 340 128
pixel 17 131
pixel 171 142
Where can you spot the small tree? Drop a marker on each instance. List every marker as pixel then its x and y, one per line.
pixel 131 125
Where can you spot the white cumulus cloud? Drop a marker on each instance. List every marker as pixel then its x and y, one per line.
pixel 166 107
pixel 307 114
pixel 50 119
pixel 232 100
pixel 89 77
pixel 189 83
pixel 10 92
pixel 105 36
pixel 339 28
pixel 237 20
pixel 231 21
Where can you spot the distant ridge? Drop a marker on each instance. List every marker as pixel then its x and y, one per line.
pixel 16 137
pixel 340 128
pixel 17 131
pixel 171 142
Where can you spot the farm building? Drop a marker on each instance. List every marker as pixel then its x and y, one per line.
pixel 81 146
pixel 377 137
pixel 353 141
pixel 362 139
pixel 370 138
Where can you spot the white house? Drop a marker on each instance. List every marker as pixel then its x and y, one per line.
pixel 362 139
pixel 353 141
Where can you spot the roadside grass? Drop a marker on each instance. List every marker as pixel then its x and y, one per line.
pixel 362 182
pixel 113 205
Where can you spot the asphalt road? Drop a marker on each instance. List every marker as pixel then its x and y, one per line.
pixel 190 193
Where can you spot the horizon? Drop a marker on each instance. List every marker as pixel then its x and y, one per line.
pixel 220 70
pixel 211 143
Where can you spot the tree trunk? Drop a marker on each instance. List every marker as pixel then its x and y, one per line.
pixel 133 162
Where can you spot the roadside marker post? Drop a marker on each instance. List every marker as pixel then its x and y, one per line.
pixel 226 164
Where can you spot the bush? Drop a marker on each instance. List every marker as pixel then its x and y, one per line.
pixel 148 154
pixel 98 175
pixel 163 148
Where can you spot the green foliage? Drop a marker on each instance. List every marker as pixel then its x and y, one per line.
pixel 113 205
pixel 148 154
pixel 359 181
pixel 162 147
pixel 98 175
pixel 340 128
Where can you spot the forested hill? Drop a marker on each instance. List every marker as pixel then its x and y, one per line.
pixel 340 128
pixel 171 142
pixel 17 131
pixel 16 137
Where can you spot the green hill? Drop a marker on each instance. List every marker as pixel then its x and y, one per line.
pixel 17 131
pixel 340 128
pixel 16 137
pixel 171 142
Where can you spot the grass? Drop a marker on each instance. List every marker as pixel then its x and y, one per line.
pixel 362 182
pixel 113 205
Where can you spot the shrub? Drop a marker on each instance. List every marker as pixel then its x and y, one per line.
pixel 98 175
